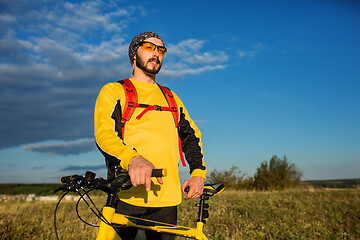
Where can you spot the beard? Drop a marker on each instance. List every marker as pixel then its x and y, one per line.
pixel 143 66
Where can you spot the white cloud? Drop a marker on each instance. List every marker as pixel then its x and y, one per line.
pixel 207 57
pixel 84 16
pixel 179 72
pixel 185 47
pixel 188 57
pixel 7 18
pixel 63 148
pixel 14 50
pixel 251 53
pixel 113 50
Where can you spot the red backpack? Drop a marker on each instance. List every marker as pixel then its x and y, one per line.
pixel 132 103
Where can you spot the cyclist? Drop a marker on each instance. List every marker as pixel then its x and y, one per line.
pixel 148 140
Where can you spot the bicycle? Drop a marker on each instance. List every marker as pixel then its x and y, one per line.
pixel 109 219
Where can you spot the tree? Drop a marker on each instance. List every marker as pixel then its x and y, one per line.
pixel 231 178
pixel 277 174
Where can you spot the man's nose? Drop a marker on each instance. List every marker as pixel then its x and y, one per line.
pixel 156 52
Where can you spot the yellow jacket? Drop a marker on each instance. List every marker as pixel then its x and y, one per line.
pixel 153 136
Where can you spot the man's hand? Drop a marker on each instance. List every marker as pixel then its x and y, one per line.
pixel 196 185
pixel 140 171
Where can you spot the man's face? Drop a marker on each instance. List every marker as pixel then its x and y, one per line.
pixel 149 62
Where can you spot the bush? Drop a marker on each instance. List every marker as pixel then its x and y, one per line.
pixel 231 178
pixel 278 174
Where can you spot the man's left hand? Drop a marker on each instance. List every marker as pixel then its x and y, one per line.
pixel 196 185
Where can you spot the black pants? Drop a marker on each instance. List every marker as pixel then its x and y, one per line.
pixel 159 214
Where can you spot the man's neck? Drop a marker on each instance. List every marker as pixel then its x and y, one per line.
pixel 142 77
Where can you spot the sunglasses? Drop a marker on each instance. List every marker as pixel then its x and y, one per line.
pixel 150 47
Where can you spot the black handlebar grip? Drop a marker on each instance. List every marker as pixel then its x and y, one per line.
pixel 65 179
pixel 159 172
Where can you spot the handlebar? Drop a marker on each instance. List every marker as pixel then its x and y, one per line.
pixel 121 181
pixel 159 172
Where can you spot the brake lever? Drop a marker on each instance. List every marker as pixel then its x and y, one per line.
pixel 122 182
pixel 63 187
pixel 73 183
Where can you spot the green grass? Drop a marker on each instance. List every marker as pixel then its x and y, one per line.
pixel 297 214
pixel 342 183
pixel 38 189
pixel 292 214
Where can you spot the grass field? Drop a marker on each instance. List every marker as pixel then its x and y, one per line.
pixel 292 214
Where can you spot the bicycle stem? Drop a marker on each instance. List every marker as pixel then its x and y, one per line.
pixel 203 213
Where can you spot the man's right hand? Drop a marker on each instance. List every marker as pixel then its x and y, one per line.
pixel 140 171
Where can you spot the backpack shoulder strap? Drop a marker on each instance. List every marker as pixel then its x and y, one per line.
pixel 131 100
pixel 172 104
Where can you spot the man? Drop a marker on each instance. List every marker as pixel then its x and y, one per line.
pixel 149 141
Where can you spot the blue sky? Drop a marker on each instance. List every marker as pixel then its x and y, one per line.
pixel 260 78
